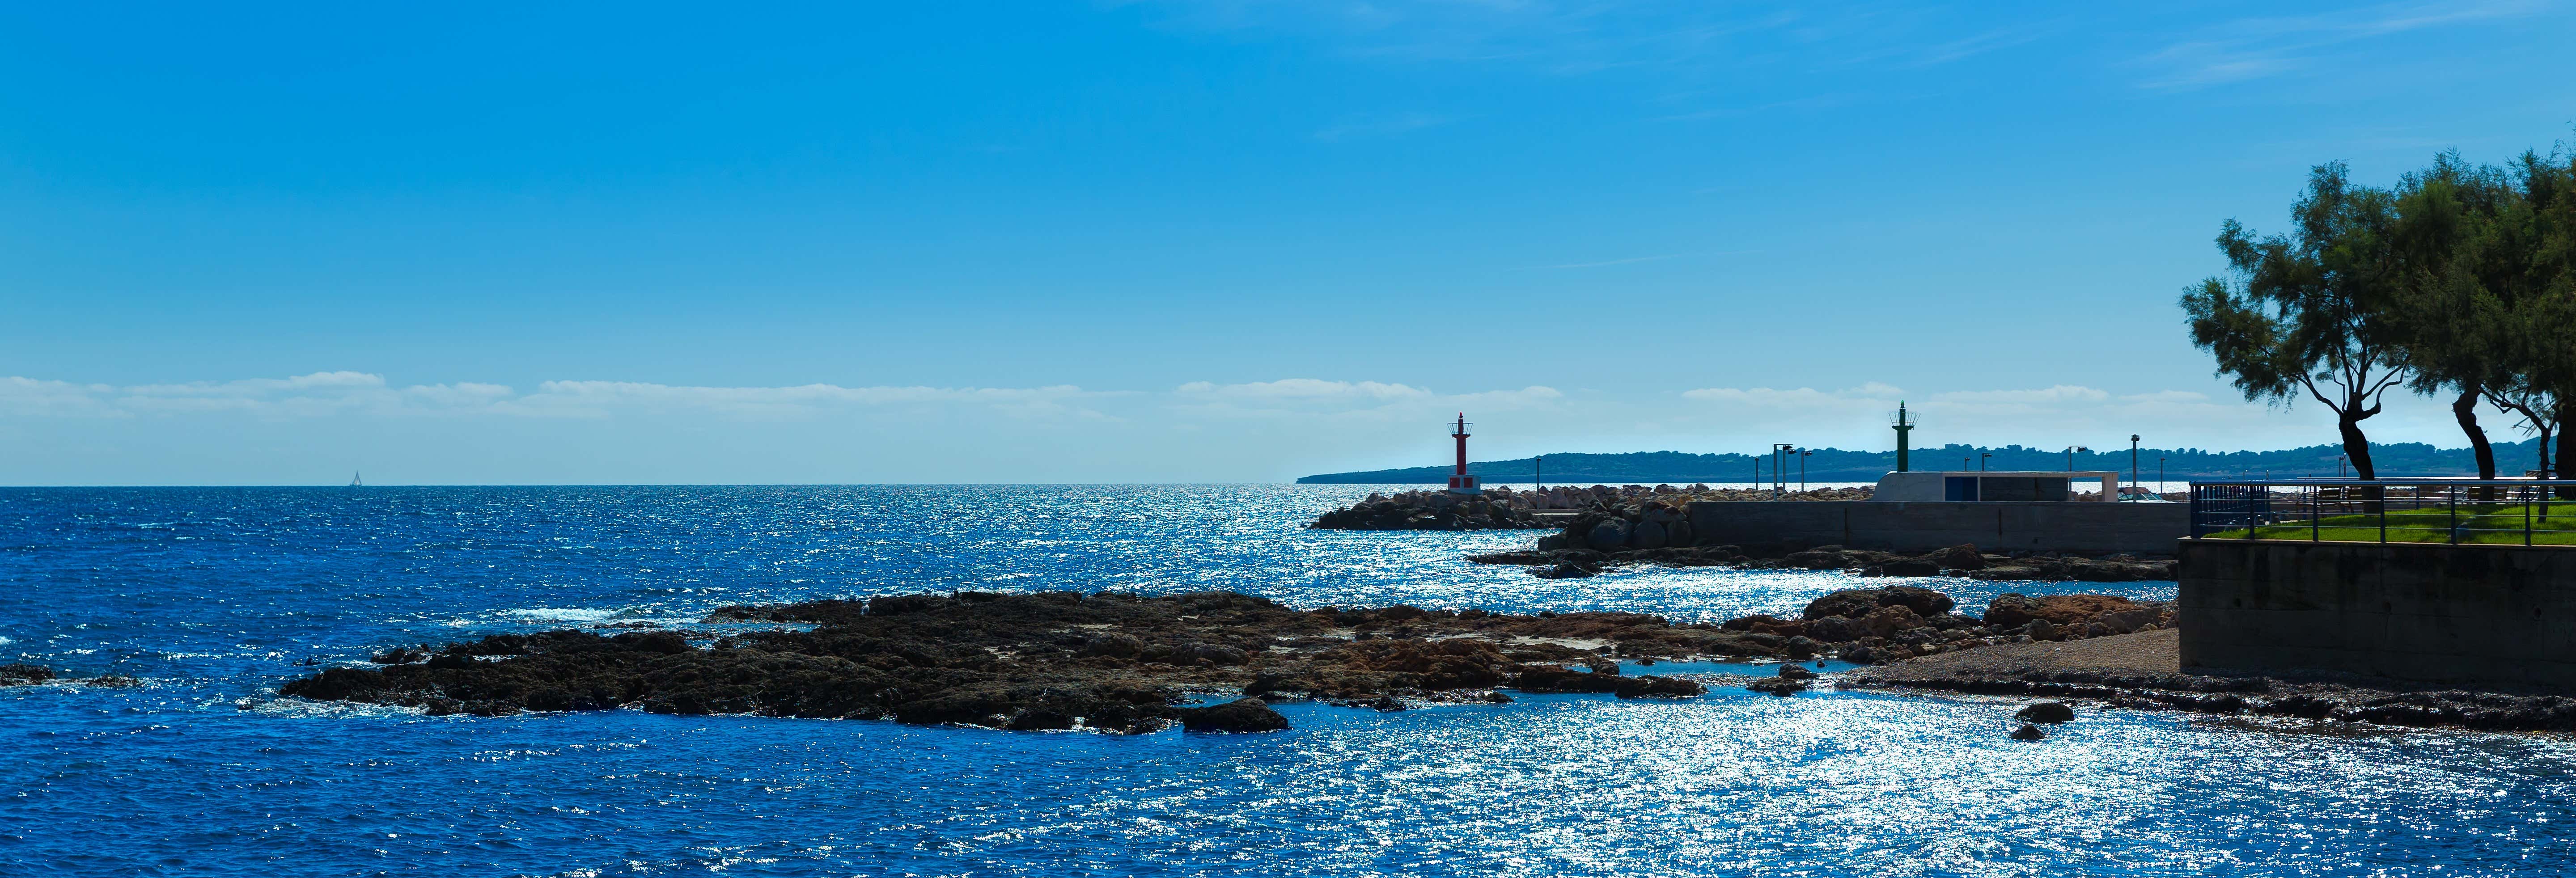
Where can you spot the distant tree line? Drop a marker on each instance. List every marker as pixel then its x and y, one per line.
pixel 2458 282
pixel 1836 465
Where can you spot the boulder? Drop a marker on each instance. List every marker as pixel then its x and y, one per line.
pixel 1864 601
pixel 2012 608
pixel 1888 621
pixel 1780 686
pixel 1795 671
pixel 1647 534
pixel 1815 559
pixel 2046 712
pixel 1835 629
pixel 1608 536
pixel 2028 732
pixel 1959 557
pixel 1909 567
pixel 1239 715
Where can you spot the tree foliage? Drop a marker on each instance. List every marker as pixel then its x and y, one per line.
pixel 2314 310
pixel 2460 281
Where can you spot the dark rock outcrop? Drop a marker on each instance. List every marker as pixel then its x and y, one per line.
pixel 1055 660
pixel 1659 535
pixel 1498 508
pixel 1239 715
pixel 2046 712
pixel 2028 732
pixel 24 675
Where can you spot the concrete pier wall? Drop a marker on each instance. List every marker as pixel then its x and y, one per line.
pixel 2430 612
pixel 1906 526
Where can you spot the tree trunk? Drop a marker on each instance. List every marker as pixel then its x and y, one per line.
pixel 2566 446
pixel 2357 447
pixel 2466 410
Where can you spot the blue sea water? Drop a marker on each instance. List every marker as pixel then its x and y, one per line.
pixel 213 597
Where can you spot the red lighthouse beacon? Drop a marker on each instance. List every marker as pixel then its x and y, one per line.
pixel 1460 482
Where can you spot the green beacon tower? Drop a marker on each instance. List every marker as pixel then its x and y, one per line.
pixel 1904 421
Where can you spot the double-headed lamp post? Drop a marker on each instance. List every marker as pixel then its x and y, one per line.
pixel 2070 455
pixel 1779 466
pixel 1981 459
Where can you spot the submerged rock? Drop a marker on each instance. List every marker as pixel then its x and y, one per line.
pixel 1780 686
pixel 23 675
pixel 2028 732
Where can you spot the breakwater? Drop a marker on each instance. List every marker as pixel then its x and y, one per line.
pixel 1501 507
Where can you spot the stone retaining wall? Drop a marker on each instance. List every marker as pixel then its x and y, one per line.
pixel 2432 612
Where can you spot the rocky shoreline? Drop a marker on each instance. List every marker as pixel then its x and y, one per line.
pixel 1963 561
pixel 1055 660
pixel 2142 671
pixel 1127 663
pixel 1124 663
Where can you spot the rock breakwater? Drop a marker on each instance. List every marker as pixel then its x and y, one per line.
pixel 1503 507
pixel 1655 529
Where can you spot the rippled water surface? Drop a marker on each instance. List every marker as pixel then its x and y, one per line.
pixel 213 597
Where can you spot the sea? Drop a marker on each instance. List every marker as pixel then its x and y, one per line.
pixel 213 597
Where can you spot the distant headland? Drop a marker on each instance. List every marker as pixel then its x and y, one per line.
pixel 1836 465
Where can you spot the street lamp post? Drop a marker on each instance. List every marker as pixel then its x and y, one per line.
pixel 1981 459
pixel 2133 460
pixel 2160 477
pixel 1780 467
pixel 1802 469
pixel 2070 455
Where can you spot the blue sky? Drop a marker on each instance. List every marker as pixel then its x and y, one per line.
pixel 1165 241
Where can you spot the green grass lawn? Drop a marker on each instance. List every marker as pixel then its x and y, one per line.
pixel 2500 523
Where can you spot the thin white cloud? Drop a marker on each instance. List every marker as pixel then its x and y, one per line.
pixel 2058 395
pixel 1343 403
pixel 1798 398
pixel 324 393
pixel 2261 47
pixel 1305 388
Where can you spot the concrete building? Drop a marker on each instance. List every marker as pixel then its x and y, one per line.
pixel 1993 487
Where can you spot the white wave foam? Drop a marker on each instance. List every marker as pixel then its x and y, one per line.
pixel 562 614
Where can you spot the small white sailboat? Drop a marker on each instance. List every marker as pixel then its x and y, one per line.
pixel 354 481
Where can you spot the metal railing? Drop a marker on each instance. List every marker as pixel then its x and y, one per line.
pixel 2495 512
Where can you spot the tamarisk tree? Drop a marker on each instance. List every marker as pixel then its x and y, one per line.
pixel 2312 311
